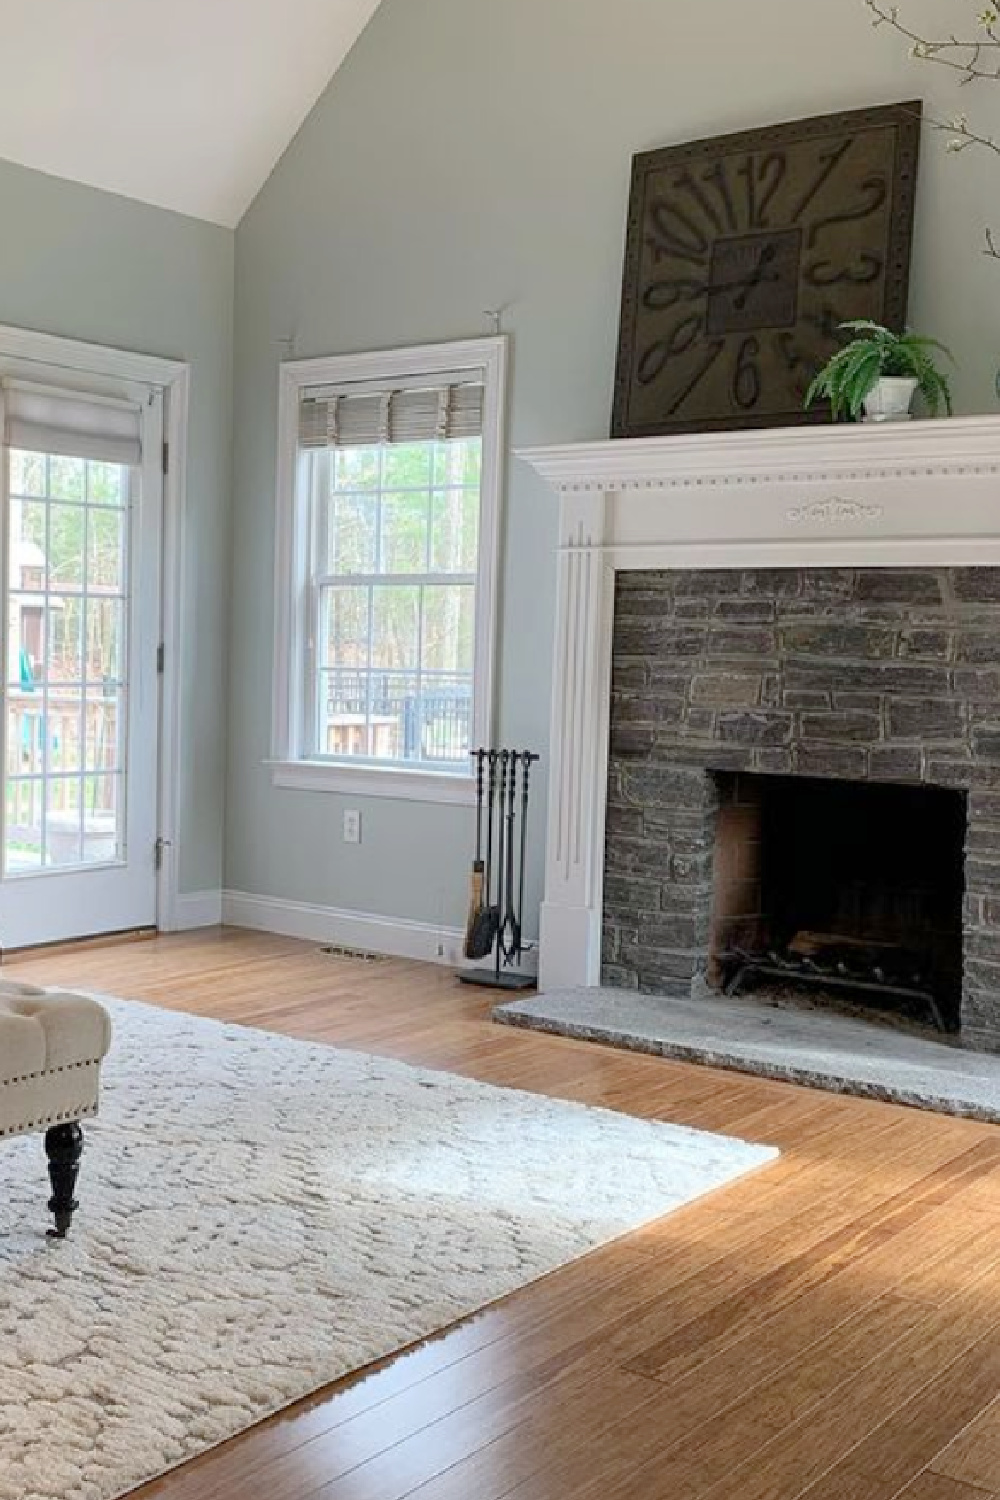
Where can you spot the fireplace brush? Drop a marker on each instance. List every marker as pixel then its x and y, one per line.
pixel 495 922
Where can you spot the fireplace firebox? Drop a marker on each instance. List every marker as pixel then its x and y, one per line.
pixel 841 888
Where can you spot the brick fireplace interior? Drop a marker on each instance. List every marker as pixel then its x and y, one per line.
pixel 841 888
pixel 843 727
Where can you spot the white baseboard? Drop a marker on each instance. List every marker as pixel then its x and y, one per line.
pixel 200 909
pixel 396 937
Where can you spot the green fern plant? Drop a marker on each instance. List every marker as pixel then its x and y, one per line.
pixel 850 374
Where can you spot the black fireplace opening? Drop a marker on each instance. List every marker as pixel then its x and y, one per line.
pixel 841 888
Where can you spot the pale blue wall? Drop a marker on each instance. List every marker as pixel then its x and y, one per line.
pixel 476 152
pixel 90 265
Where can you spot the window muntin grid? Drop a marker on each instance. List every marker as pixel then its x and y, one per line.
pixel 392 603
pixel 65 668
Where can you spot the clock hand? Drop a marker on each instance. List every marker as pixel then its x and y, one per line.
pixel 741 284
pixel 756 277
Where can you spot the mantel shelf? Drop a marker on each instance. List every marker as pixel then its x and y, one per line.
pixel 954 445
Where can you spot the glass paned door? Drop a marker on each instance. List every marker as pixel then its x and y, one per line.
pixel 80 725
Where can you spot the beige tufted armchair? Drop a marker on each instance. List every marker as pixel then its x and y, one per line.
pixel 52 1044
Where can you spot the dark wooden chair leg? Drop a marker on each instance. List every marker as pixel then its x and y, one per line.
pixel 63 1147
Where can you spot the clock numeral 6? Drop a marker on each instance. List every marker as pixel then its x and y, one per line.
pixel 746 376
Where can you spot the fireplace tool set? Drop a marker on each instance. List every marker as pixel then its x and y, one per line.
pixel 496 892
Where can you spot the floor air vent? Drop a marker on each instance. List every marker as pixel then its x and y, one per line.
pixel 332 950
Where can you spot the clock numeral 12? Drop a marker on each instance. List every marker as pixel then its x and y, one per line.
pixel 767 175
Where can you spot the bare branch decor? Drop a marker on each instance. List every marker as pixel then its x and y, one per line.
pixel 973 54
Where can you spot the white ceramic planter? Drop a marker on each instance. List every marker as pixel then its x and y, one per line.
pixel 889 399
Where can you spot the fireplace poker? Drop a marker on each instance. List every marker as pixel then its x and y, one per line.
pixel 510 932
pixel 527 760
pixel 501 854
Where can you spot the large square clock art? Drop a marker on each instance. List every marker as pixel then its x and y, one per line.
pixel 744 254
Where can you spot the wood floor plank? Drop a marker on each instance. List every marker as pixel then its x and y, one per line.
pixel 974 1456
pixel 812 1266
pixel 902 1446
pixel 825 1328
pixel 688 1443
pixel 931 1486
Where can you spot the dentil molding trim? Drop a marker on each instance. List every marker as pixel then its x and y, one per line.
pixel 784 455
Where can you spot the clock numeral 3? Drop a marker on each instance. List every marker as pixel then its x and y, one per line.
pixel 824 273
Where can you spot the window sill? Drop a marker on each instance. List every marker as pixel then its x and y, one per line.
pixel 399 784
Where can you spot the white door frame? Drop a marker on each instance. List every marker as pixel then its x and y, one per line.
pixel 173 377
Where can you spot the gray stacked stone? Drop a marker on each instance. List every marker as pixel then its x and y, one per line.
pixel 874 675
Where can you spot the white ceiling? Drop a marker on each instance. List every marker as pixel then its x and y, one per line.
pixel 186 104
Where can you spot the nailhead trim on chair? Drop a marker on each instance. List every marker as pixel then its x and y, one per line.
pixel 91 1062
pixel 85 1111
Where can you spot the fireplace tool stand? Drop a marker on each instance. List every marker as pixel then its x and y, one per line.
pixel 496 903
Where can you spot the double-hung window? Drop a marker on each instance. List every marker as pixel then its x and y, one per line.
pixel 388 496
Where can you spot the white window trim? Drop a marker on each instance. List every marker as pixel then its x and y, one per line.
pixel 486 357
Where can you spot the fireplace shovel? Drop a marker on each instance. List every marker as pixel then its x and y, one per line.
pixel 484 919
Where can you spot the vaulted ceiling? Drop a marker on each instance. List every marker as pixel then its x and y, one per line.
pixel 187 105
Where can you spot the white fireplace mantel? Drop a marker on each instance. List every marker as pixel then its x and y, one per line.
pixel 891 495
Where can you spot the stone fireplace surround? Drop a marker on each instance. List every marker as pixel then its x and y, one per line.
pixel 857 565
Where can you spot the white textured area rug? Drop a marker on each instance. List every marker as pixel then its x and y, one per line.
pixel 261 1216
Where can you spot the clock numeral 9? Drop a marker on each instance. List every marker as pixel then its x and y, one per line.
pixel 680 339
pixel 659 296
pixel 746 376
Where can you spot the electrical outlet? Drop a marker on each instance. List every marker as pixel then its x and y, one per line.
pixel 352 826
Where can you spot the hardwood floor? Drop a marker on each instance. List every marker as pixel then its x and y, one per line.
pixel 828 1328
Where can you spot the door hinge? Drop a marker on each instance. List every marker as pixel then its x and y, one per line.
pixel 158 848
pixel 166 458
pixel 160 657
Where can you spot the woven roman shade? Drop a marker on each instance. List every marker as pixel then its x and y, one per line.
pixel 48 419
pixel 366 419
